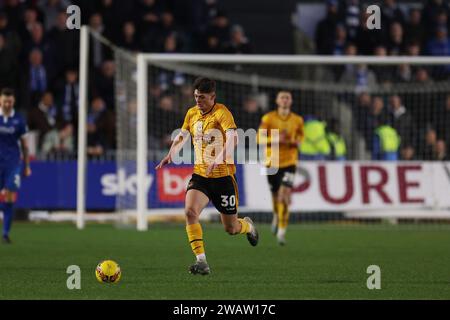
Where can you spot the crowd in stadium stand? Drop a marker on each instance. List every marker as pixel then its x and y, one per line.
pixel 39 58
pixel 418 119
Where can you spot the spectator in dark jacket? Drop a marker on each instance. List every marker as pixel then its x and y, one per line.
pixel 340 41
pixel 351 15
pixel 8 65
pixel 14 10
pixel 104 83
pixel 128 38
pixel 67 97
pixel 64 44
pixel 35 78
pixel 440 151
pixel 239 42
pixel 367 40
pixel 100 126
pixel 430 12
pixel 53 134
pixel 428 144
pixel 51 10
pixel 324 38
pixel 395 42
pixel 401 120
pixel 390 13
pixel 11 36
pixel 414 29
pixel 442 120
pixel 219 28
pixel 440 44
pixel 374 119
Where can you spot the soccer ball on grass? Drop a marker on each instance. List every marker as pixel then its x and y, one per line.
pixel 108 271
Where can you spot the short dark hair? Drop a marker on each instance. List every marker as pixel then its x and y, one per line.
pixel 8 92
pixel 205 85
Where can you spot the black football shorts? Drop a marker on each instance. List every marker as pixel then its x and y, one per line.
pixel 284 176
pixel 222 192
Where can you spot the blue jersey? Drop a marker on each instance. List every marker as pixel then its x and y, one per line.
pixel 12 128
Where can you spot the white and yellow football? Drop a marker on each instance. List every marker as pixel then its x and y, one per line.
pixel 108 271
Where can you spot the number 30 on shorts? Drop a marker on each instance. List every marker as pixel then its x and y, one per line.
pixel 228 201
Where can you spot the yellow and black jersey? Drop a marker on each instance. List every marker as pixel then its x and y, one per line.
pixel 291 127
pixel 208 136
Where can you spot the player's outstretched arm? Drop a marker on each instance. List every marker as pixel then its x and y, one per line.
pixel 26 157
pixel 177 144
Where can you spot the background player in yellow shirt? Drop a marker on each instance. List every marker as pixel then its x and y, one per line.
pixel 290 129
pixel 213 131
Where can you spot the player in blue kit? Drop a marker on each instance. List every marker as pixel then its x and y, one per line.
pixel 13 149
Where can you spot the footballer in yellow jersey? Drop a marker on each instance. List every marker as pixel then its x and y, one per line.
pixel 290 133
pixel 213 131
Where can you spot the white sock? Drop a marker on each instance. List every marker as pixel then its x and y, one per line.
pixel 201 257
pixel 251 227
pixel 281 232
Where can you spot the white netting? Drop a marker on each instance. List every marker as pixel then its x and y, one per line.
pixel 352 99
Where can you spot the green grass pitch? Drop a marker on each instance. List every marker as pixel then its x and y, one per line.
pixel 322 262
